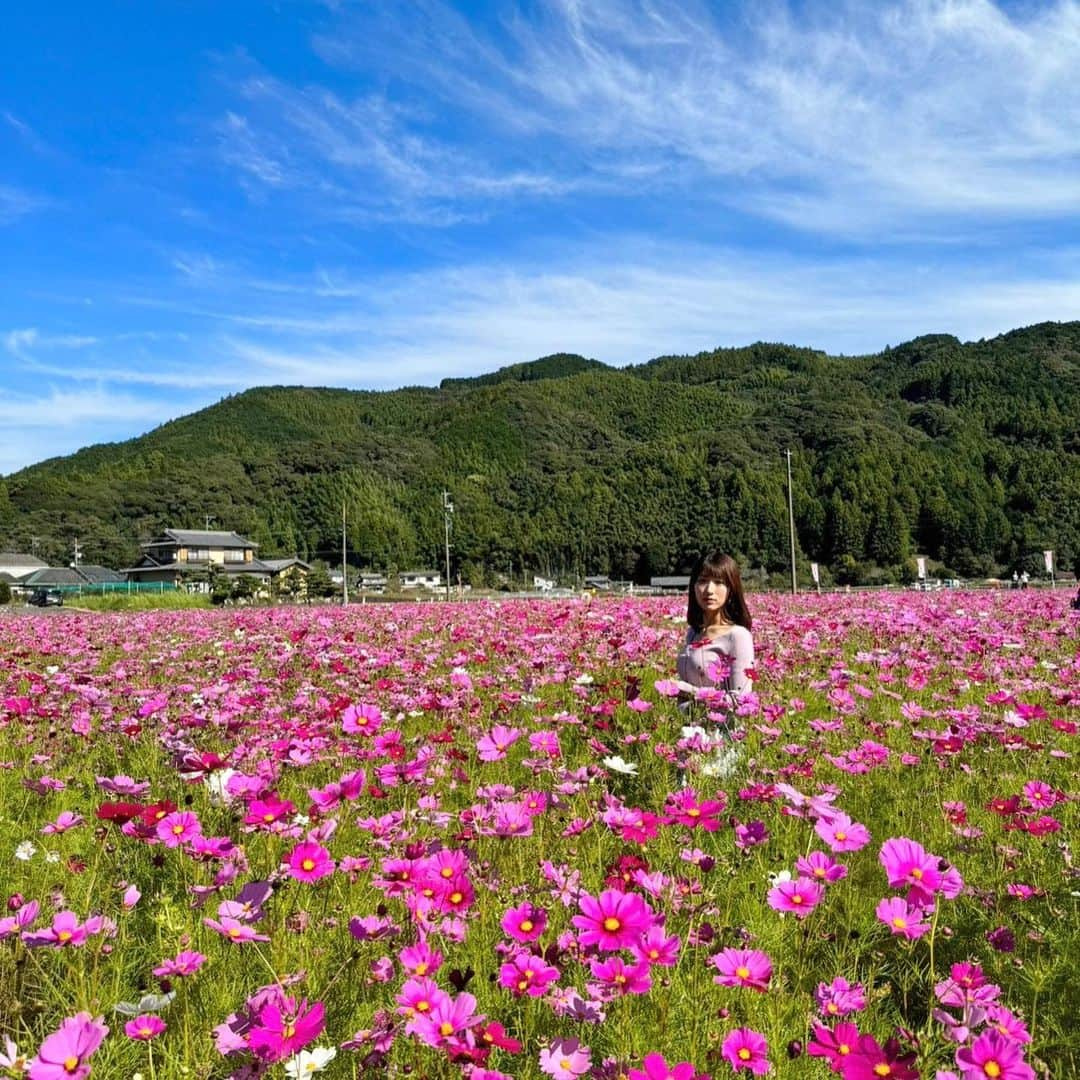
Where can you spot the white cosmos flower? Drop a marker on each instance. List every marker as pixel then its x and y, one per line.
pixel 722 763
pixel 217 786
pixel 310 1061
pixel 25 851
pixel 779 877
pixel 616 764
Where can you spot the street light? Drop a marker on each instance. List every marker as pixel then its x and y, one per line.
pixel 448 513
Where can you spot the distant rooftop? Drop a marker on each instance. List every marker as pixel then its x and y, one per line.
pixel 17 558
pixel 202 538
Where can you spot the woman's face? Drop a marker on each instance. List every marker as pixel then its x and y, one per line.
pixel 711 594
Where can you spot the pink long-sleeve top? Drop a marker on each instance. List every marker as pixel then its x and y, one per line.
pixel 732 650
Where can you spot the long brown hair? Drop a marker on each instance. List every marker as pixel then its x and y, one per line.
pixel 718 566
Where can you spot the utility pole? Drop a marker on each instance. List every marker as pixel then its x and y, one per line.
pixel 344 575
pixel 791 524
pixel 448 511
pixel 208 519
pixel 34 541
pixel 78 553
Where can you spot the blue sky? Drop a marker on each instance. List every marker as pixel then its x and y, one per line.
pixel 200 197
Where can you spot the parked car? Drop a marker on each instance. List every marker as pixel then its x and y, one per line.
pixel 47 598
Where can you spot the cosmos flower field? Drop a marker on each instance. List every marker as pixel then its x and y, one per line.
pixel 486 840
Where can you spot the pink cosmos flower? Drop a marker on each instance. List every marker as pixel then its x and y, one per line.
pixel 1008 1023
pixel 493 747
pixel 237 932
pixel 797 898
pixel 361 720
pixel 67 820
pixel 656 1068
pixel 901 919
pixel 63 1055
pixel 310 862
pixel 420 959
pixel 527 974
pixel 839 998
pixel 144 1028
pixel 447 1021
pixel 657 947
pixel 743 967
pixel 524 923
pixel 616 977
pixel 993 1055
pixel 65 931
pixel 835 1045
pixel 821 867
pixel 184 963
pixel 178 828
pixel 744 1048
pixel 870 1061
pixel 908 863
pixel 684 808
pixel 841 833
pixel 565 1059
pixel 417 997
pixel 613 920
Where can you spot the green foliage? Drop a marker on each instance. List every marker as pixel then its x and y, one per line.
pixel 966 453
pixel 5 593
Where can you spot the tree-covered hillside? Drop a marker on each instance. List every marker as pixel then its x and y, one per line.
pixel 969 453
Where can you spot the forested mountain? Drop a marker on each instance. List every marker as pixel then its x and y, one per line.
pixel 969 453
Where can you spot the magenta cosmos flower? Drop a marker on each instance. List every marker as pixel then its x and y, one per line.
pixel 527 974
pixel 744 1048
pixel 993 1055
pixel 524 923
pixel 901 919
pixel 63 1055
pixel 144 1028
pixel 835 1044
pixel 613 920
pixel 654 1067
pixel 282 1029
pixel 796 898
pixel 908 863
pixel 309 862
pixel 178 828
pixel 743 967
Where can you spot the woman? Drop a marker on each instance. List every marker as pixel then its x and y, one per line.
pixel 719 648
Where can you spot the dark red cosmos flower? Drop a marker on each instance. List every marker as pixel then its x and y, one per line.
pixel 153 813
pixel 120 812
pixel 620 875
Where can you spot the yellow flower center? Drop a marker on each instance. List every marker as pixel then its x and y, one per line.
pixel 611 924
pixel 526 926
pixel 992 1068
pixel 423 1006
pixel 447 872
pixel 64 935
pixel 882 1069
pixel 744 1054
pixel 832 1008
pixel 455 898
pixel 841 836
pixel 308 864
pixel 564 1063
pixel 693 812
pixel 917 874
pixel 843 1049
pixel 796 898
pixel 446 1028
pixel 71 1064
pixel 421 968
pixel 268 818
pixel 177 830
pixel 742 972
pixel 899 922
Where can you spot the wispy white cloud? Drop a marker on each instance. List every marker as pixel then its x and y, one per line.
pixel 15 203
pixel 846 117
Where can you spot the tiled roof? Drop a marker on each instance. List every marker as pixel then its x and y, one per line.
pixel 201 538
pixel 17 558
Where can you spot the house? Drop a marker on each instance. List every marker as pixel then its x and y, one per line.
pixel 71 578
pixel 678 583
pixel 421 579
pixel 372 583
pixel 188 558
pixel 542 583
pixel 17 565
